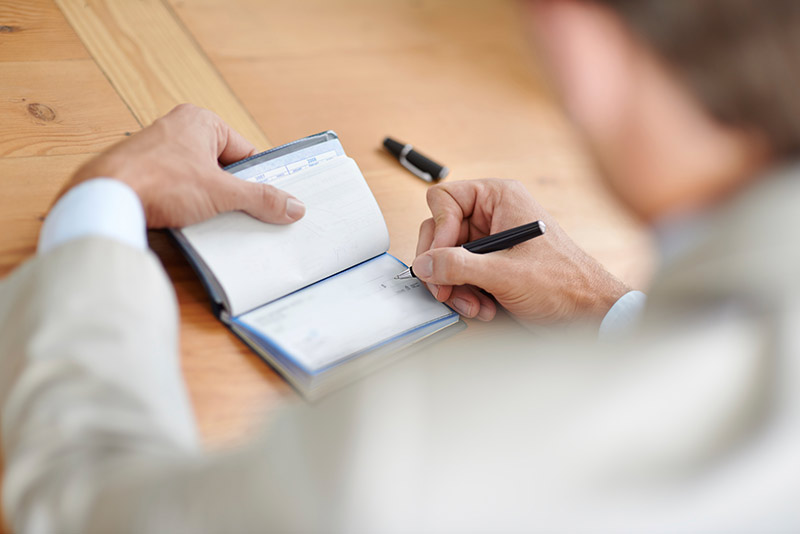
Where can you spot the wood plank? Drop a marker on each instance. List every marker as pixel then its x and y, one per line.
pixel 452 76
pixel 152 62
pixel 457 79
pixel 155 64
pixel 53 100
pixel 29 186
pixel 33 30
pixel 58 107
pixel 285 29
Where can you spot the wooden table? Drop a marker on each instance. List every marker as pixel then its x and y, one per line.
pixel 455 77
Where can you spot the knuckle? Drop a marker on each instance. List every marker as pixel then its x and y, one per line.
pixel 185 111
pixel 210 116
pixel 184 107
pixel 162 124
pixel 182 114
pixel 195 114
pixel 442 218
pixel 213 123
pixel 426 226
pixel 432 192
pixel 207 117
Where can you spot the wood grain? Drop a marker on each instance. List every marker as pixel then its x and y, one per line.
pixel 29 186
pixel 454 77
pixel 58 107
pixel 153 62
pixel 32 30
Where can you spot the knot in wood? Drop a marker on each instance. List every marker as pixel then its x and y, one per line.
pixel 43 112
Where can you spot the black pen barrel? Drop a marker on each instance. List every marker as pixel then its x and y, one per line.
pixel 506 239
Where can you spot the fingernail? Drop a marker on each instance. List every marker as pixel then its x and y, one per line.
pixel 423 267
pixel 485 314
pixel 434 289
pixel 463 307
pixel 295 209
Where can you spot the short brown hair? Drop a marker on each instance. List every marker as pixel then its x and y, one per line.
pixel 741 58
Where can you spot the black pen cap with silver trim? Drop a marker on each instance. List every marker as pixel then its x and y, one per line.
pixel 429 170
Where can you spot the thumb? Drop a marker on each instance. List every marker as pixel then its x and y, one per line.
pixel 262 201
pixel 455 266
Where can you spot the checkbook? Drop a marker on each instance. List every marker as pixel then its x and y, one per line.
pixel 316 299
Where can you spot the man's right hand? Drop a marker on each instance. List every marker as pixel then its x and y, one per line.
pixel 174 167
pixel 545 280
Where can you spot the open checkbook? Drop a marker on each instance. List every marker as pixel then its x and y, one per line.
pixel 317 299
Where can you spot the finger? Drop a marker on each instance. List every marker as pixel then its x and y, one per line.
pixel 262 201
pixel 423 245
pixel 488 305
pixel 443 292
pixel 464 301
pixel 448 216
pixel 455 266
pixel 425 236
pixel 472 303
pixel 231 145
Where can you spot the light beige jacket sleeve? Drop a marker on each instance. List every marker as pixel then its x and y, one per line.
pixel 692 425
pixel 89 378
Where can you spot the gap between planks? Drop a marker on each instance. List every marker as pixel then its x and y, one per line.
pixel 153 62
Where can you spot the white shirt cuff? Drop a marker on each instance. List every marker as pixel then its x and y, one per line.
pixel 98 207
pixel 622 316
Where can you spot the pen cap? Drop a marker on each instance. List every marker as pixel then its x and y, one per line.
pixel 421 162
pixel 395 148
pixel 427 165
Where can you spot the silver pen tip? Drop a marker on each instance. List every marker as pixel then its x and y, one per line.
pixel 405 275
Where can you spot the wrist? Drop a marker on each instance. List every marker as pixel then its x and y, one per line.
pixel 600 290
pixel 101 167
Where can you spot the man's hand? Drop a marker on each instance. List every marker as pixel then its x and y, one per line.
pixel 174 167
pixel 544 280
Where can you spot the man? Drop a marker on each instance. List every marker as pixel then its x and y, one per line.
pixel 689 423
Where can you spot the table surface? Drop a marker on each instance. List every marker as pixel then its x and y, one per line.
pixel 455 77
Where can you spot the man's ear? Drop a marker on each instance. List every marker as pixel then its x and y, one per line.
pixel 588 52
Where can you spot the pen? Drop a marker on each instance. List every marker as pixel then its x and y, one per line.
pixel 419 165
pixel 492 243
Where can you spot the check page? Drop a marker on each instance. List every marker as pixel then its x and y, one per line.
pixel 345 315
pixel 256 262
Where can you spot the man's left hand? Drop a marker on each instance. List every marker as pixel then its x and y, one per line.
pixel 174 167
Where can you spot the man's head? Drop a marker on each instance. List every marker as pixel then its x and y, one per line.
pixel 683 101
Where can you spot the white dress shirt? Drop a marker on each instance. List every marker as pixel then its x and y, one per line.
pixel 109 208
pixel 99 207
